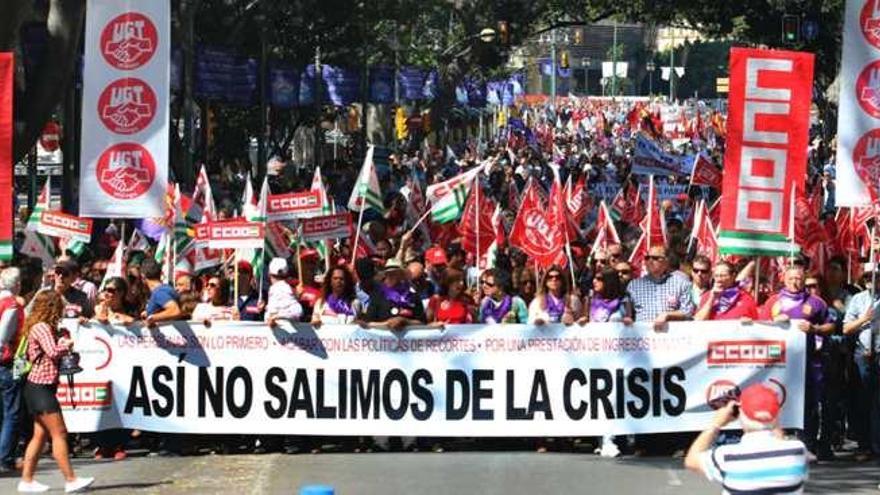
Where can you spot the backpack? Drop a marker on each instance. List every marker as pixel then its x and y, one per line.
pixel 20 364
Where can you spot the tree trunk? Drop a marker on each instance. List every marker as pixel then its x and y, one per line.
pixel 46 89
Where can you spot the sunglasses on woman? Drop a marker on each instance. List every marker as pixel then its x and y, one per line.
pixel 553 276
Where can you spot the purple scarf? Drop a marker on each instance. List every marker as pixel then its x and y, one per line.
pixel 494 312
pixel 792 303
pixel 399 296
pixel 555 307
pixel 726 300
pixel 339 306
pixel 601 309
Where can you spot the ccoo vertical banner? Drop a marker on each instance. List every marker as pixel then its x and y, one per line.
pixel 124 159
pixel 858 123
pixel 7 81
pixel 767 136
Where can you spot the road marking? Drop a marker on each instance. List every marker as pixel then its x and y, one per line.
pixel 674 480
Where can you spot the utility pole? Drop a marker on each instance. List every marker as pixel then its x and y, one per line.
pixel 614 62
pixel 553 70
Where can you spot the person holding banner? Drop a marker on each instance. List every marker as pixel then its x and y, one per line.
pixel 250 304
pixel 338 304
pixel 112 307
pixel 44 349
pixel 726 300
pixel 609 300
pixel 499 304
pixel 661 296
pixel 794 302
pixel 164 303
pixel 554 303
pixel 217 306
pixel 451 305
pixel 281 304
pixel 394 305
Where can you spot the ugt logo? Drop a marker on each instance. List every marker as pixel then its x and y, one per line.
pixel 129 41
pixel 126 170
pixel 127 106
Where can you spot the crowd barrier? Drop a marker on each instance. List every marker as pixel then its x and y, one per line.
pixel 463 380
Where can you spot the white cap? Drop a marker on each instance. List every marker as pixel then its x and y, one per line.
pixel 278 267
pixel 868 267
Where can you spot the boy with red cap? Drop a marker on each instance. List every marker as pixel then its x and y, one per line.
pixel 763 461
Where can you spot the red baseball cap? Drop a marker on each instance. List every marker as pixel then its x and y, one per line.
pixel 435 256
pixel 760 403
pixel 244 266
pixel 308 253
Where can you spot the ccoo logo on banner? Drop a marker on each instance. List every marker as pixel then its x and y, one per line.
pixel 858 124
pixel 125 109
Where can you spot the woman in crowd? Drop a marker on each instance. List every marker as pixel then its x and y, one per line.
pixel 609 300
pixel 112 307
pixel 451 305
pixel 553 303
pixel 526 285
pixel 499 304
pixel 46 345
pixel 217 306
pixel 338 303
pixel 726 300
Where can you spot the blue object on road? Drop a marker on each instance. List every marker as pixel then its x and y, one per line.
pixel 316 490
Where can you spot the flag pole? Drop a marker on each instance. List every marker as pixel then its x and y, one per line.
pixel 235 281
pixel 757 278
pixel 357 237
pixel 650 209
pixel 791 226
pixel 420 220
pixel 477 220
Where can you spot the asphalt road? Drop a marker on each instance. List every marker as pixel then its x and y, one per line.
pixel 421 473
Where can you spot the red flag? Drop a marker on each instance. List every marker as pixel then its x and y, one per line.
pixel 576 199
pixel 715 212
pixel 557 211
pixel 606 233
pixel 537 235
pixel 705 173
pixel 809 233
pixel 468 226
pixel 703 234
pixel 637 258
pixel 7 216
pixel 654 225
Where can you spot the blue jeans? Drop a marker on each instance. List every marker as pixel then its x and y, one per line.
pixel 868 423
pixel 10 399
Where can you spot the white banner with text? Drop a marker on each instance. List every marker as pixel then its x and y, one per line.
pixel 465 380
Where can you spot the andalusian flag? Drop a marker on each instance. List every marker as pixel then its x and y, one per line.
pixel 116 266
pixel 323 247
pixel 37 245
pixel 254 210
pixel 165 256
pixel 447 198
pixel 366 189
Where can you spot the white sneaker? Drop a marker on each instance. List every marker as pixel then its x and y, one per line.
pixel 33 486
pixel 609 449
pixel 78 484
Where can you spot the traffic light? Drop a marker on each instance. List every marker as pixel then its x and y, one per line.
pixel 579 36
pixel 504 33
pixel 791 28
pixel 563 60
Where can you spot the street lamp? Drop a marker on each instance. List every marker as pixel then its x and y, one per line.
pixel 487 35
pixel 651 67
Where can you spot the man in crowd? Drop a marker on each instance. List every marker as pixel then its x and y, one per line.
pixel 701 277
pixel 394 304
pixel 11 321
pixel 794 302
pixel 624 271
pixel 726 300
pixel 861 320
pixel 249 304
pixel 659 296
pixel 164 302
pixel 763 461
pixel 76 303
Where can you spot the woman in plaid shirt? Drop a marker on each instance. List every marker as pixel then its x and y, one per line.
pixel 44 349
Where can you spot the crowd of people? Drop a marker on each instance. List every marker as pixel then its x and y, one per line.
pixel 403 276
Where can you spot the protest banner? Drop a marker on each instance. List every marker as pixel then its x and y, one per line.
pixel 650 159
pixel 705 173
pixel 125 122
pixel 766 156
pixel 58 224
pixel 231 234
pixel 326 227
pixel 294 205
pixel 858 122
pixel 7 82
pixel 465 380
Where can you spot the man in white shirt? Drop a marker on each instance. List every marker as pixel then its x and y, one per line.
pixel 281 302
pixel 763 461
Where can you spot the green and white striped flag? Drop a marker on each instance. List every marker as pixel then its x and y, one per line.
pixel 323 247
pixel 366 192
pixel 447 198
pixel 37 245
pixel 165 257
pixel 254 211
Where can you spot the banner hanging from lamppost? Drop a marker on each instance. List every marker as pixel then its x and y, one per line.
pixel 858 123
pixel 766 156
pixel 124 161
pixel 7 82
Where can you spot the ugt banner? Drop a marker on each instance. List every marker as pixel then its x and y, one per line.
pixel 7 82
pixel 767 133
pixel 466 380
pixel 124 171
pixel 858 124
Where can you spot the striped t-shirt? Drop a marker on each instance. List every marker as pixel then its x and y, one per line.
pixel 760 464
